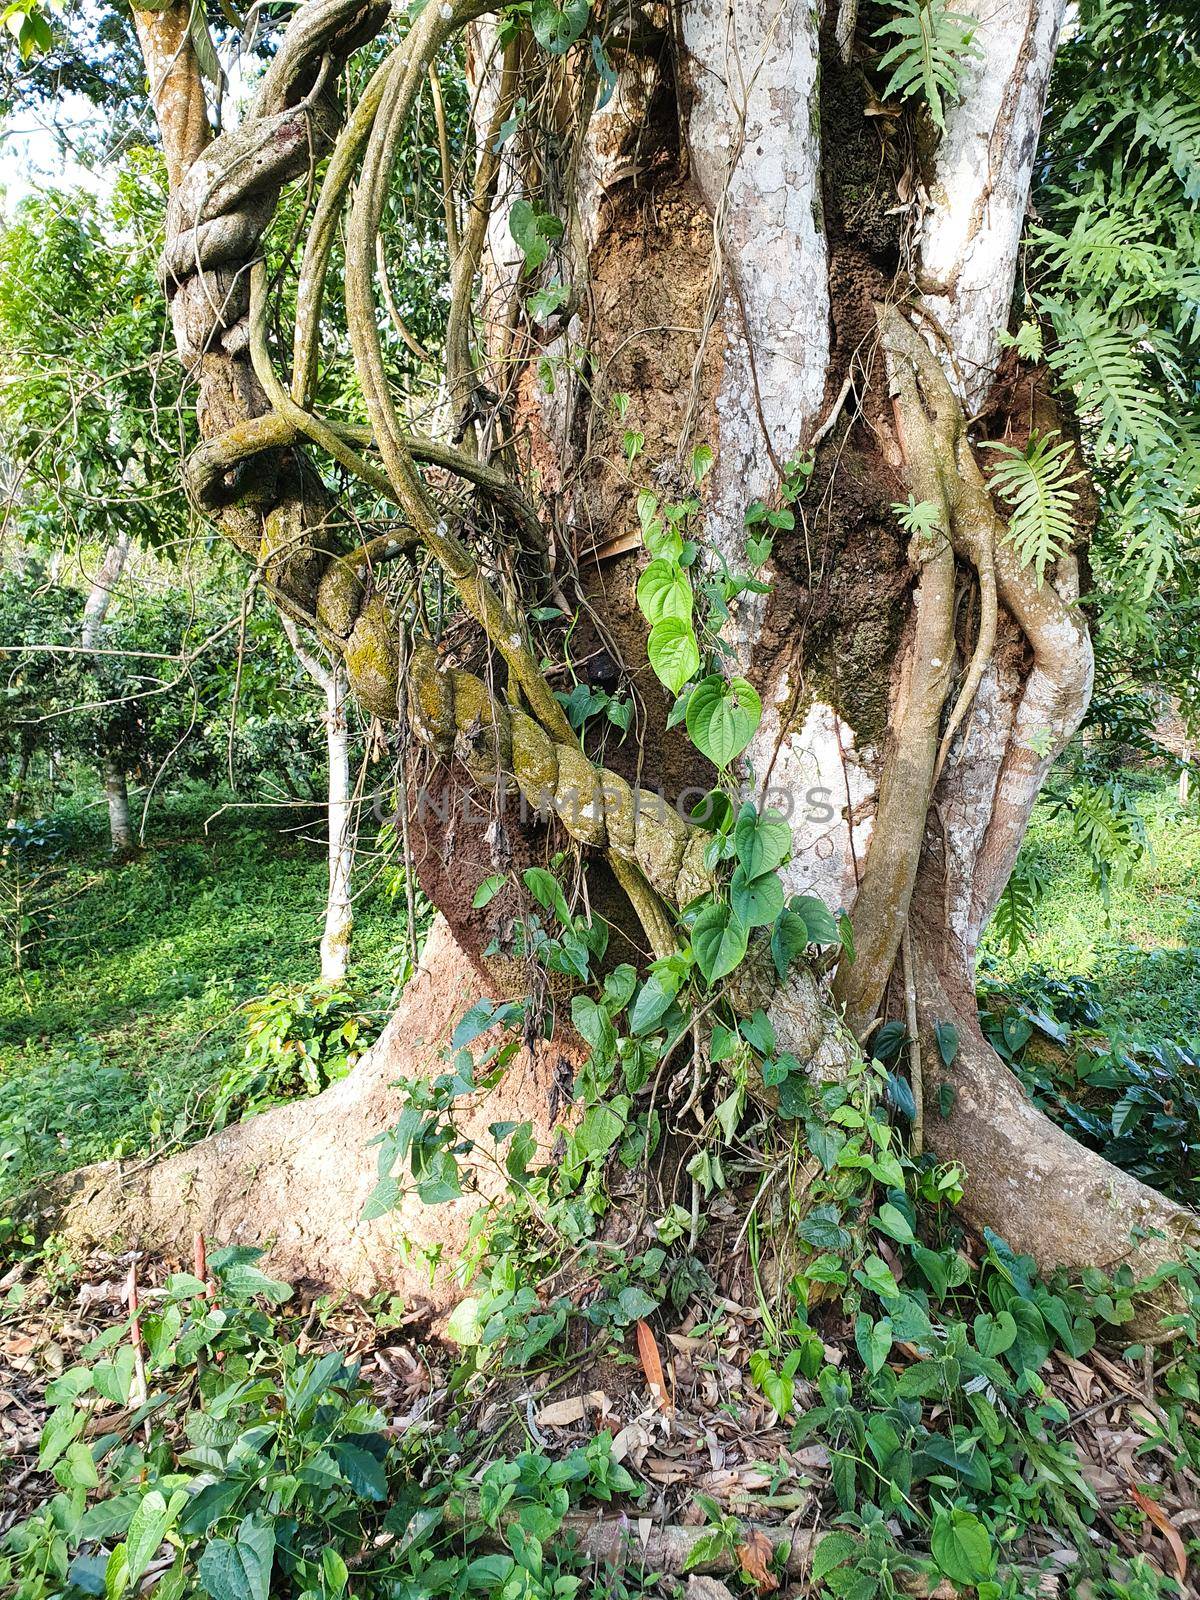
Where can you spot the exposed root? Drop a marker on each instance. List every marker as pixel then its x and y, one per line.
pixel 881 910
pixel 295 1178
pixel 1046 1195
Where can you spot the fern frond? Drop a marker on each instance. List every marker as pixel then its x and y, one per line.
pixel 1173 124
pixel 1109 827
pixel 919 518
pixel 1015 916
pixel 1101 360
pixel 1036 483
pixel 933 49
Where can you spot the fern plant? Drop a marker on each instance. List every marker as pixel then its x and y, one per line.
pixel 933 50
pixel 1036 483
pixel 1113 275
pixel 1015 917
pixel 920 519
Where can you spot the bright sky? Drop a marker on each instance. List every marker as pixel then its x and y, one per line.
pixel 30 158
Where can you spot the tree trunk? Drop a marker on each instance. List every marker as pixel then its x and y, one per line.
pixel 339 908
pixel 116 792
pixel 95 609
pixel 758 263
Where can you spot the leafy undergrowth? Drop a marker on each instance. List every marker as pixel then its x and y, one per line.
pixel 938 1422
pixel 829 1388
pixel 1142 948
pixel 127 1027
pixel 1126 1092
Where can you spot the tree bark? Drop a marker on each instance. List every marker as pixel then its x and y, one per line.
pixel 116 793
pixel 339 905
pixel 95 610
pixel 757 263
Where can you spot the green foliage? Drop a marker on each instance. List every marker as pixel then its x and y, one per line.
pixel 556 27
pixel 1036 483
pixel 127 1031
pixel 920 519
pixel 300 1038
pixel 1015 916
pixel 265 1471
pixel 931 56
pixel 1114 275
pixel 88 404
pixel 722 716
pixel 1130 1095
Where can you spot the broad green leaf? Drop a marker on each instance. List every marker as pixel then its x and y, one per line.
pixel 673 652
pixel 664 591
pixel 947 1041
pixel 961 1547
pixel 818 919
pixel 533 231
pixel 763 842
pixel 599 1129
pixel 892 1221
pixel 722 716
pixel 240 1569
pixel 834 1550
pixel 148 1527
pixel 719 940
pixel 361 1470
pixel 488 890
pixel 556 28
pixel 757 901
pixel 789 939
pixel 873 1341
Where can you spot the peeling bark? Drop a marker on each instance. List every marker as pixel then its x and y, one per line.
pixel 970 238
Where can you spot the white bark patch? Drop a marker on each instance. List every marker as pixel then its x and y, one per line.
pixel 755 147
pixel 967 795
pixel 823 784
pixel 981 189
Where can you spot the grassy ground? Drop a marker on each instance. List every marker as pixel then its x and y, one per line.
pixel 1143 950
pixel 131 1014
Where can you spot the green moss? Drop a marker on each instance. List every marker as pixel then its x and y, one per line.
pixel 339 596
pixel 372 660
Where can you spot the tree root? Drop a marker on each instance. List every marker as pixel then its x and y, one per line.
pixel 294 1179
pixel 1025 1178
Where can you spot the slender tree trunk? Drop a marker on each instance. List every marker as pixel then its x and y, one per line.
pixel 116 793
pixel 339 905
pixel 95 609
pixel 759 264
pixel 339 908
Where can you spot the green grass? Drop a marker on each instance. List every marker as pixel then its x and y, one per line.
pixel 108 1044
pixel 1143 950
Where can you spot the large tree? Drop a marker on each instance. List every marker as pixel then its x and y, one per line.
pixel 716 273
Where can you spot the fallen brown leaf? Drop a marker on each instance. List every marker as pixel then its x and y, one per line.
pixel 652 1366
pixel 755 1557
pixel 1166 1527
pixel 563 1413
